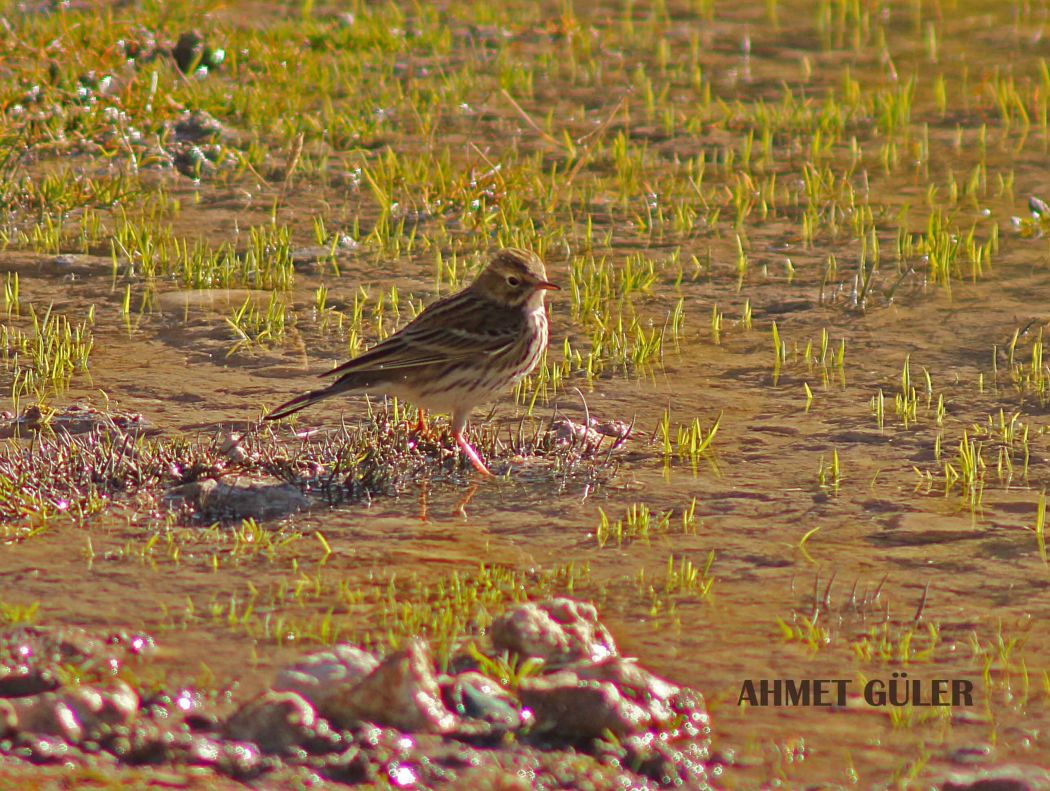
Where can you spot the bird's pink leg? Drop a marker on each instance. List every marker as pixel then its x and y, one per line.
pixel 471 454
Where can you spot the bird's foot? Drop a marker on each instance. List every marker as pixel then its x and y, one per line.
pixel 471 454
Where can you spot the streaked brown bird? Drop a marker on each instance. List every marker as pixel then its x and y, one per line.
pixel 460 351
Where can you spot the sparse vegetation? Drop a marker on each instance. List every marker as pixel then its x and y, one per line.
pixel 804 278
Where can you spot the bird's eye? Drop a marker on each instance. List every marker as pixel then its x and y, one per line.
pixel 513 281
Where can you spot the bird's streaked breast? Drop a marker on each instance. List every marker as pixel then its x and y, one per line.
pixel 535 345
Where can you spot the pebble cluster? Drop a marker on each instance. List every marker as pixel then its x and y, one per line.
pixel 573 709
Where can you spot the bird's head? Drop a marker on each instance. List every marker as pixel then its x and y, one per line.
pixel 514 277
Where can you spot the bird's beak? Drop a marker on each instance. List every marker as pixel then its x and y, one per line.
pixel 543 285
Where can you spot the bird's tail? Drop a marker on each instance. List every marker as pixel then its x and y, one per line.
pixel 301 402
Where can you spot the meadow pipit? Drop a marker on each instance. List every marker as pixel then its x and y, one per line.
pixel 460 351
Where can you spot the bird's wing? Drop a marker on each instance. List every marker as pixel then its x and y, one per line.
pixel 446 331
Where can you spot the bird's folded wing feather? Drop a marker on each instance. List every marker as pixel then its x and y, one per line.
pixel 436 336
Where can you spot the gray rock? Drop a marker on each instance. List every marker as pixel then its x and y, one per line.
pixel 47 715
pixel 402 692
pixel 477 697
pixel 197 126
pixel 82 264
pixel 616 695
pixel 22 681
pixel 237 759
pixel 311 255
pixel 568 432
pixel 240 498
pixel 75 419
pixel 558 631
pixel 76 713
pixel 33 657
pixel 319 676
pixel 573 708
pixel 627 674
pixel 98 708
pixel 275 721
